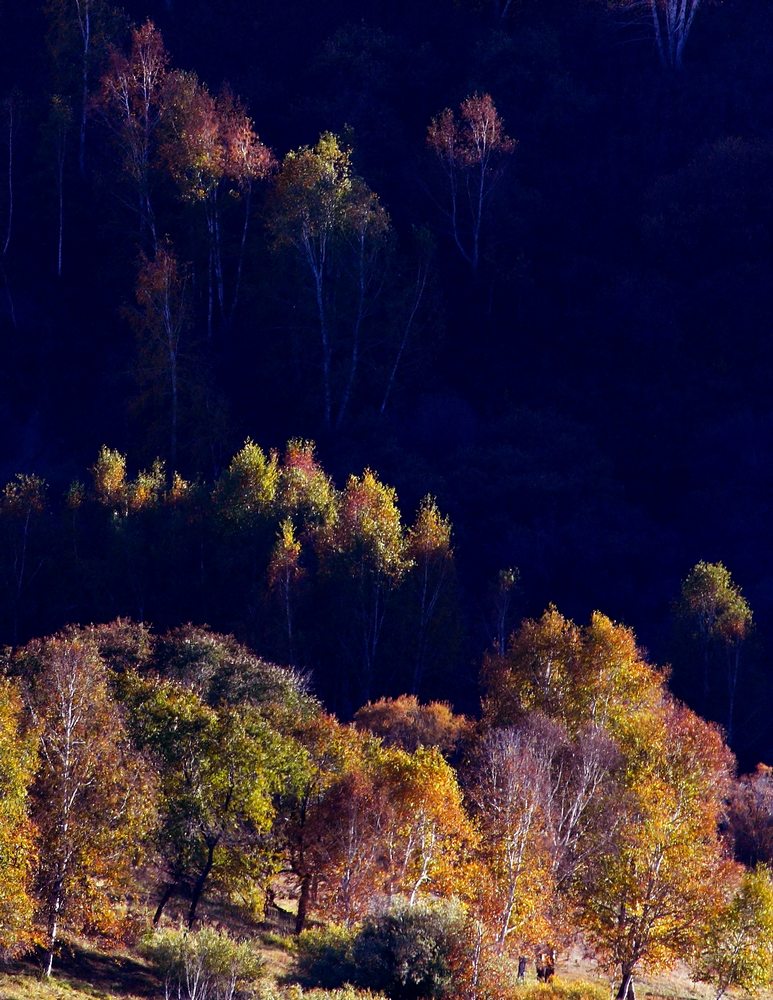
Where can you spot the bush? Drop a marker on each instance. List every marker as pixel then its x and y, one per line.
pixel 204 965
pixel 325 957
pixel 578 990
pixel 273 992
pixel 406 952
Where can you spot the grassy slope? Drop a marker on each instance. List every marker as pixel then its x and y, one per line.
pixel 92 974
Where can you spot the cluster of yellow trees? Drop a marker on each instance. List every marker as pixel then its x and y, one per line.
pixel 137 767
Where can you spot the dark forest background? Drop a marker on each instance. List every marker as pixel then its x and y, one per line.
pixel 592 405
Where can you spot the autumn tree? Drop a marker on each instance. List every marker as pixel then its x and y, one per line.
pixel 132 99
pixel 93 798
pixel 643 897
pixel 247 488
pixel 509 775
pixel 430 580
pixel 218 771
pixel 472 150
pixel 305 491
pixel 330 821
pixel 363 553
pixel 284 574
pixel 580 676
pixel 224 672
pixel 632 794
pixel 18 762
pixel 372 822
pixel 750 816
pixel 338 231
pixel 718 619
pixel 427 833
pixel 406 723
pixel 211 150
pixel 736 946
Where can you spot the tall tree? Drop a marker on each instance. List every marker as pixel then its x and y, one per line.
pixel 338 231
pixel 93 796
pixel 364 556
pixel 472 150
pixel 642 899
pixel 718 619
pixel 211 149
pixel 431 577
pixel 672 22
pixel 132 99
pixel 219 769
pixel 736 947
pixel 85 27
pixel 18 762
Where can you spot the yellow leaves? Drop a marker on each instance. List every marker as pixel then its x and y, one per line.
pixel 249 485
pixel 317 197
pixel 109 475
pixel 284 566
pixel 304 488
pixel 580 675
pixel 430 535
pixel 368 525
pixel 18 760
pixel 24 495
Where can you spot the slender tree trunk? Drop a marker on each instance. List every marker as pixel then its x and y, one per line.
pixel 84 16
pixel 478 218
pixel 166 895
pixel 9 224
pixel 60 186
pixel 356 331
pixel 625 991
pixel 173 440
pixel 326 358
pixel 421 284
pixel 198 888
pixel 303 904
pixel 242 249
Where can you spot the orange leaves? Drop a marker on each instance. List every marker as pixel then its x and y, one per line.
pixel 94 797
pixel 404 722
pixel 208 140
pixel 473 138
pixel 472 150
pixel 131 94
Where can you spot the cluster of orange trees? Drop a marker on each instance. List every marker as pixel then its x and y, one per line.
pixel 138 768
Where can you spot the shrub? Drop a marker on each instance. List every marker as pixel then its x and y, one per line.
pixel 204 965
pixel 325 957
pixel 578 990
pixel 406 952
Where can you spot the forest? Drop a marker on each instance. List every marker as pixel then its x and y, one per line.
pixel 383 491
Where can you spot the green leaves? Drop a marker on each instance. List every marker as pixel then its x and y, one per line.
pixel 736 950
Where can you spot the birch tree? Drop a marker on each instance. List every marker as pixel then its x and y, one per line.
pixel 93 797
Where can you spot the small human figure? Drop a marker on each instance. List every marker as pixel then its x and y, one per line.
pixel 522 962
